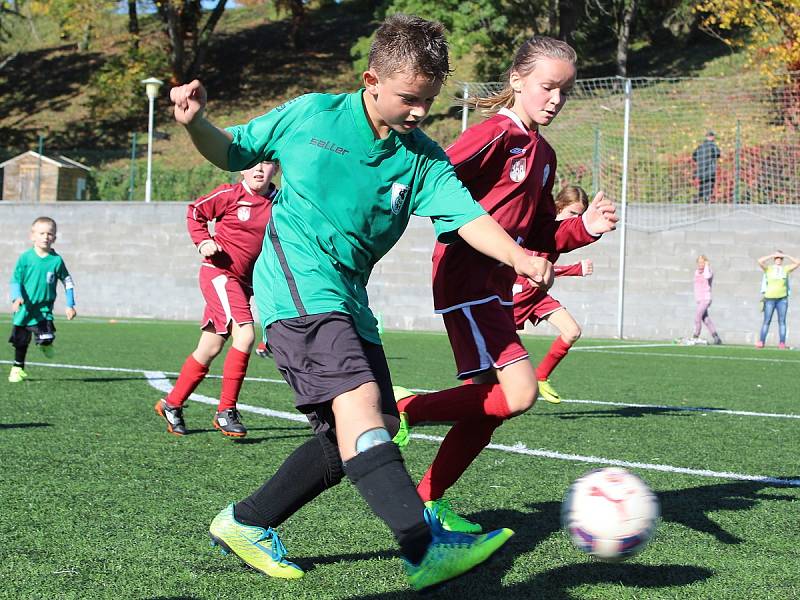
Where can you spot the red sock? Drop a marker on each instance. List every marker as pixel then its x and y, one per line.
pixel 460 447
pixel 474 401
pixel 233 372
pixel 192 373
pixel 558 350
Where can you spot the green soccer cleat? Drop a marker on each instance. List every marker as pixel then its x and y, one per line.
pixel 451 554
pixel 48 350
pixel 401 392
pixel 245 541
pixel 403 435
pixel 548 392
pixel 450 519
pixel 17 375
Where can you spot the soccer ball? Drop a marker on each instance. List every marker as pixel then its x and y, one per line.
pixel 610 514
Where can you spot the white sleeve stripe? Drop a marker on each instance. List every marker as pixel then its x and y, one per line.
pixel 501 134
pixel 194 211
pixel 68 283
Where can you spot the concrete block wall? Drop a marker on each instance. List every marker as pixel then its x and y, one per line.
pixel 136 260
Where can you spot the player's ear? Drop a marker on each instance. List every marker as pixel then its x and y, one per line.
pixel 371 80
pixel 515 81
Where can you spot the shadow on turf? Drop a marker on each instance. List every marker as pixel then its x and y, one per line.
pixel 689 507
pixel 626 411
pixel 23 425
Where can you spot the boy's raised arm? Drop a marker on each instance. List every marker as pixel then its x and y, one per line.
pixel 189 104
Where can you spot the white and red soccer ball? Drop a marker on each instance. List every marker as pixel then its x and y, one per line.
pixel 610 514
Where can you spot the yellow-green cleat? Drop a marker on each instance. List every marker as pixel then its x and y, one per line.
pixel 17 375
pixel 548 392
pixel 450 519
pixel 258 547
pixel 451 554
pixel 403 435
pixel 401 392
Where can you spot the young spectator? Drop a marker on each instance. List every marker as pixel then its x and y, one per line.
pixel 703 277
pixel 33 292
pixel 509 168
pixel 240 213
pixel 775 292
pixel 356 167
pixel 536 305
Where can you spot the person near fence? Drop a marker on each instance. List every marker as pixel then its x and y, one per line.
pixel 510 169
pixel 705 158
pixel 34 285
pixel 537 305
pixel 239 214
pixel 775 293
pixel 356 167
pixel 703 278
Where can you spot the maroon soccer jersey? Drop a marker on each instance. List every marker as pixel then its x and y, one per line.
pixel 241 219
pixel 510 170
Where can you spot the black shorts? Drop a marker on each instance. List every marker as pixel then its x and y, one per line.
pixel 321 357
pixel 44 332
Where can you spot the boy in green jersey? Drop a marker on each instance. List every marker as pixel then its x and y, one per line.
pixel 33 292
pixel 355 168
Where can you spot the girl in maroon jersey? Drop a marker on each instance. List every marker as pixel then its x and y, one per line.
pixel 536 305
pixel 509 168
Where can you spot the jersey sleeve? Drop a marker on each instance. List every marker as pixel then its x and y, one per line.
pixel 443 198
pixel 205 209
pixel 262 138
pixel 575 270
pixel 473 151
pixel 69 286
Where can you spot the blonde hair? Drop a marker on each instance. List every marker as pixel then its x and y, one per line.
pixel 47 220
pixel 703 256
pixel 570 194
pixel 532 51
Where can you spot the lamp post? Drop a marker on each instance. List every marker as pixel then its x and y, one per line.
pixel 151 86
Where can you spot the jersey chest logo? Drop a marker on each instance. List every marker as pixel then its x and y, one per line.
pixel 545 175
pixel 51 277
pixel 399 193
pixel 517 170
pixel 243 212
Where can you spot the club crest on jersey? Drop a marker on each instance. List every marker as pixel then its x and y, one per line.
pixel 517 170
pixel 51 277
pixel 545 175
pixel 243 212
pixel 399 193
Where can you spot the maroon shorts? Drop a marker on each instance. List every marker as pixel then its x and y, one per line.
pixel 227 300
pixel 532 304
pixel 483 336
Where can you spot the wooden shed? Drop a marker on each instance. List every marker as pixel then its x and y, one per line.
pixel 60 178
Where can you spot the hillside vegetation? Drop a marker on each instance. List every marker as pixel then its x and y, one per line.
pixel 45 90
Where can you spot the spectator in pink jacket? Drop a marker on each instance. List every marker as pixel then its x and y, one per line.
pixel 702 297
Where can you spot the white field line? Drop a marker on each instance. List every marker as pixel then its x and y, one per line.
pixel 159 381
pixel 700 409
pixel 614 346
pixel 686 355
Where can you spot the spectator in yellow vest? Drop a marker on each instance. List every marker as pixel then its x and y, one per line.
pixel 775 291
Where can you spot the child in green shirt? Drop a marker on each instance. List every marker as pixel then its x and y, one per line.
pixel 33 292
pixel 355 168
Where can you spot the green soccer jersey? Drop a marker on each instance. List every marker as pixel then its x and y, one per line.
pixel 38 277
pixel 345 200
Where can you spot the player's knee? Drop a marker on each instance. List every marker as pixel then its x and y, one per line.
pixel 371 438
pixel 573 334
pixel 522 399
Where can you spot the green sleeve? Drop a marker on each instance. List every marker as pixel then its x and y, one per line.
pixel 262 138
pixel 442 197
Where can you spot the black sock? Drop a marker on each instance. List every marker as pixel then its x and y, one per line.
pixel 383 481
pixel 19 356
pixel 311 469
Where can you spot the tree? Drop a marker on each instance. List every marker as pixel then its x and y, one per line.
pixel 621 15
pixel 188 34
pixel 76 18
pixel 774 27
